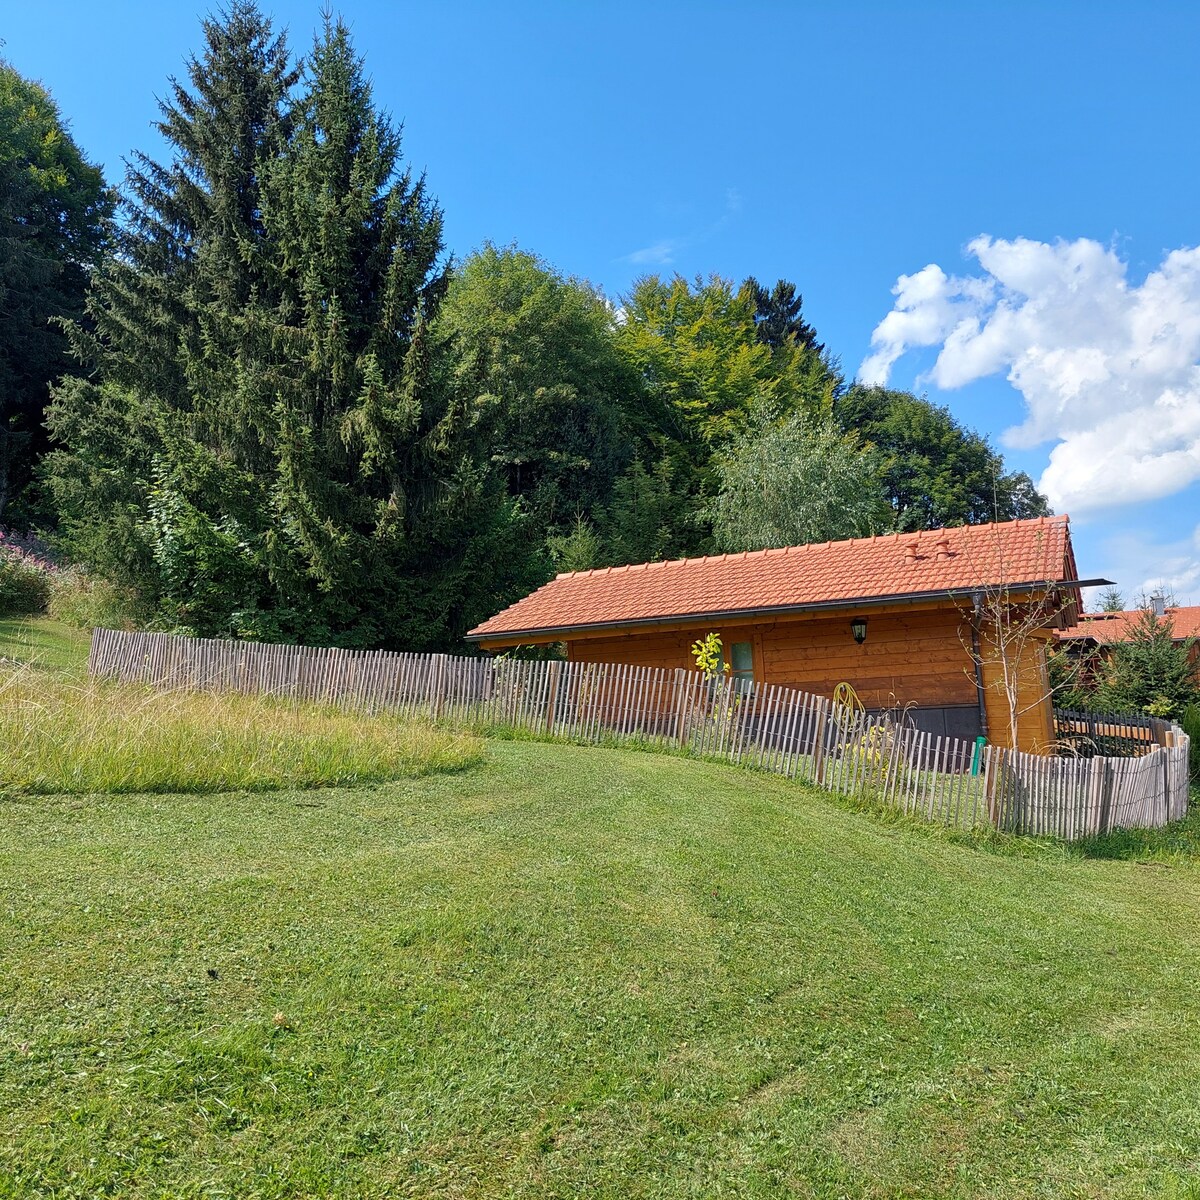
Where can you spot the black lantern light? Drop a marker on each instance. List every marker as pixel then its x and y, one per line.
pixel 858 627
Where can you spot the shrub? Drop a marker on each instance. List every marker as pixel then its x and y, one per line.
pixel 25 576
pixel 86 601
pixel 1189 722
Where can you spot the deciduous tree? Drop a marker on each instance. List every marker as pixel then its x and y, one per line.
pixel 53 209
pixel 935 472
pixel 787 481
pixel 699 355
pixel 532 361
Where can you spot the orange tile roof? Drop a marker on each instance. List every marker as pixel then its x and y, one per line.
pixel 863 569
pixel 1107 628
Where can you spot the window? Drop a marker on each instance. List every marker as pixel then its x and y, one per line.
pixel 741 664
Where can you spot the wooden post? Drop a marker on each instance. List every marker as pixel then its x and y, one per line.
pixel 990 775
pixel 555 669
pixel 681 731
pixel 1166 778
pixel 439 686
pixel 1095 790
pixel 1106 798
pixel 819 741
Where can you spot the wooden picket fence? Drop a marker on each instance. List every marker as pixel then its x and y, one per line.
pixel 765 726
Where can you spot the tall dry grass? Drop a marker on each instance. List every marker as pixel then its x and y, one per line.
pixel 60 737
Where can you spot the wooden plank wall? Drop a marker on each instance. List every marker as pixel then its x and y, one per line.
pixel 770 727
pixel 1028 672
pixel 911 657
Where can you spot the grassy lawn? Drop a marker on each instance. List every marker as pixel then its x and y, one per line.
pixel 582 972
pixel 46 645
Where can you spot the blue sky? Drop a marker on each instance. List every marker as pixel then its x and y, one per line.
pixel 840 146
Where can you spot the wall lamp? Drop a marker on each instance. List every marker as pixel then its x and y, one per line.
pixel 858 627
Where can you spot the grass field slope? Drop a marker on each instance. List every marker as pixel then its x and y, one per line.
pixel 568 972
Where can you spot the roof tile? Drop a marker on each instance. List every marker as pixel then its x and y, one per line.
pixel 1013 552
pixel 1107 628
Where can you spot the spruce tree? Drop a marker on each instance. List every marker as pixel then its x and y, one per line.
pixel 285 463
pixel 383 508
pixel 778 316
pixel 161 434
pixel 1151 671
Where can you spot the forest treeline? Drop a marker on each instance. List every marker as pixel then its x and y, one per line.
pixel 253 391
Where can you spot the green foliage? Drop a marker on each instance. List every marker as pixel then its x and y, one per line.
pixel 703 364
pixel 53 205
pixel 1189 722
pixel 1111 600
pixel 24 586
pixel 1150 670
pixel 706 363
pixel 650 517
pixel 86 601
pixel 1073 673
pixel 532 360
pixel 578 550
pixel 790 481
pixel 270 451
pixel 167 417
pixel 778 316
pixel 935 473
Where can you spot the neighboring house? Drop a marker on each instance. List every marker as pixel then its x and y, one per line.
pixel 894 616
pixel 1100 632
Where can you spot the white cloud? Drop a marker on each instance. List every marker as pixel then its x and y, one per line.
pixel 1110 370
pixel 660 254
pixel 1178 574
pixel 664 252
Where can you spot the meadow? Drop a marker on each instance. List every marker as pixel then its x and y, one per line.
pixel 542 970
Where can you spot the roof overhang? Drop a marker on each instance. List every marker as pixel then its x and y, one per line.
pixel 551 633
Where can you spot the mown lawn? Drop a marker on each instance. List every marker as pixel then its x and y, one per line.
pixel 57 649
pixel 582 972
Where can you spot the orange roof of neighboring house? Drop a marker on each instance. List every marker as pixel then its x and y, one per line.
pixel 896 565
pixel 1109 627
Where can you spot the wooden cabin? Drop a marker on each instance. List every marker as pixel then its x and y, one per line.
pixel 949 625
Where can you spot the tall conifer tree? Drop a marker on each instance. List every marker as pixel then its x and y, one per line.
pixel 265 339
pixel 152 437
pixel 381 499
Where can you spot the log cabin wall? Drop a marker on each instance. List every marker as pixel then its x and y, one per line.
pixel 911 657
pixel 918 657
pixel 1029 674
